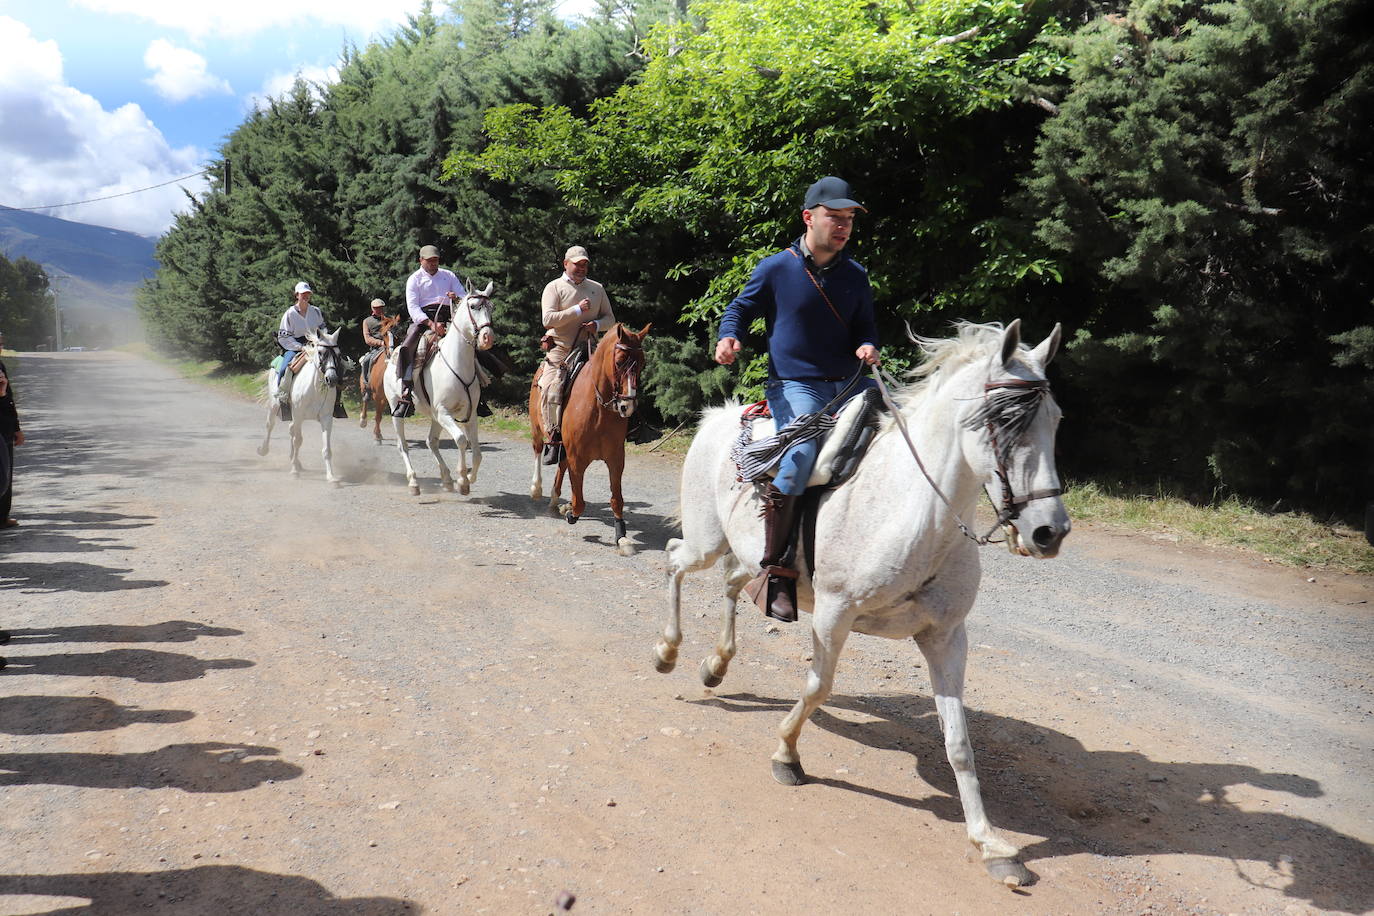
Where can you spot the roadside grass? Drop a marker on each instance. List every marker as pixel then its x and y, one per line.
pixel 1289 538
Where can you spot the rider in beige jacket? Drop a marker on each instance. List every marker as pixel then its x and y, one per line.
pixel 573 307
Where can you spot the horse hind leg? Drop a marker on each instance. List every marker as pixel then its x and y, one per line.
pixel 946 657
pixel 714 666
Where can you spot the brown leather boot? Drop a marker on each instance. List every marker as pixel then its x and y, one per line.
pixel 779 512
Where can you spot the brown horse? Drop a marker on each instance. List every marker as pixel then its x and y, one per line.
pixel 370 388
pixel 596 418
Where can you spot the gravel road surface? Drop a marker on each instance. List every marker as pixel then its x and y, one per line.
pixel 233 692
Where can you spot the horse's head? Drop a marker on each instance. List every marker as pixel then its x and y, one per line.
pixel 1014 419
pixel 621 361
pixel 327 356
pixel 476 308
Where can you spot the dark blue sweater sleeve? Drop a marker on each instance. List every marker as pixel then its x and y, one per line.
pixel 748 305
pixel 864 329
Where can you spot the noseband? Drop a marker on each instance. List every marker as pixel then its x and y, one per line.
pixel 620 373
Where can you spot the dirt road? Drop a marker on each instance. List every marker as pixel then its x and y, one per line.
pixel 230 692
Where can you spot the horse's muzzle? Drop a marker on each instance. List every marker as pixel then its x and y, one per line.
pixel 486 340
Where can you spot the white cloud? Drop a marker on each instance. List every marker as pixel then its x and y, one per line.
pixel 280 83
pixel 179 74
pixel 59 145
pixel 248 17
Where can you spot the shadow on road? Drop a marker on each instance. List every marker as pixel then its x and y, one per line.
pixel 168 631
pixel 1110 803
pixel 224 890
pixel 146 666
pixel 41 715
pixel 210 766
pixel 70 577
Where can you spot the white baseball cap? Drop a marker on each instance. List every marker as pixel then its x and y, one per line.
pixel 303 287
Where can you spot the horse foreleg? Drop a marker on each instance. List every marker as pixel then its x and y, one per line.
pixel 827 641
pixel 474 446
pixel 432 440
pixel 714 666
pixel 461 435
pixel 946 655
pixel 297 437
pixel 402 446
pixel 615 468
pixel 576 504
pixel 326 449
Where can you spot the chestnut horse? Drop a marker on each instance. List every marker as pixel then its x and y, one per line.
pixel 596 418
pixel 370 388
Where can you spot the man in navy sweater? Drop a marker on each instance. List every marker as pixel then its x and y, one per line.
pixel 817 307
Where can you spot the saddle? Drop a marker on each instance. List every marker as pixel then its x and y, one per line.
pixel 297 362
pixel 842 448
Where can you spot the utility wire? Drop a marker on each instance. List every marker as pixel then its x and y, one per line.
pixel 111 196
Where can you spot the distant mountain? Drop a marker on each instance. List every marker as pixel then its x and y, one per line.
pixel 103 261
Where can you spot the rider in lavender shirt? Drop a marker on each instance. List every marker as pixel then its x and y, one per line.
pixel 426 290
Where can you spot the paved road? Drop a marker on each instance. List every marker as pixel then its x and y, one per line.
pixel 230 692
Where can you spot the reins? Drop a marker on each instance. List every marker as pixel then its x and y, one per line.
pixel 617 373
pixel 1011 506
pixel 476 333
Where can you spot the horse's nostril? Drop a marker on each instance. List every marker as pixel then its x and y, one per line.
pixel 1045 536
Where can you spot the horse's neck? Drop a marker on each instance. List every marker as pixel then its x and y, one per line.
pixel 900 488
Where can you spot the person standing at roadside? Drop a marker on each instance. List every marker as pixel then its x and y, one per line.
pixel 573 306
pixel 430 291
pixel 12 436
pixel 817 307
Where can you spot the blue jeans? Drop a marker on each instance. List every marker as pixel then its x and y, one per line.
pixel 789 399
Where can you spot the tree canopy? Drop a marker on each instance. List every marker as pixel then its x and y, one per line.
pixel 1184 184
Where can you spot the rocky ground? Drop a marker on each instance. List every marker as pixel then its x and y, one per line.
pixel 232 692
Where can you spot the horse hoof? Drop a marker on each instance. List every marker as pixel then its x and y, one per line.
pixel 572 519
pixel 789 774
pixel 712 680
pixel 1010 872
pixel 464 490
pixel 536 494
pixel 414 490
pixel 448 486
pixel 664 665
pixel 362 424
pixel 625 548
pixel 262 450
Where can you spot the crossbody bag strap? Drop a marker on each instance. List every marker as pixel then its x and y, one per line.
pixel 810 276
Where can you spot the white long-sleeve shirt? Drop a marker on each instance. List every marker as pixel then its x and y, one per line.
pixel 422 290
pixel 294 324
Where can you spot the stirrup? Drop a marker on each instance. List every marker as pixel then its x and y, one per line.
pixel 405 406
pixel 284 410
pixel 552 453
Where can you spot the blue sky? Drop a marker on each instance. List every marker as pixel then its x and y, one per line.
pixel 104 97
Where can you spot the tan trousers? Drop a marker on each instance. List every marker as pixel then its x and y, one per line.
pixel 551 377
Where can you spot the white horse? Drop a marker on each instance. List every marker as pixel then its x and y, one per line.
pixel 312 398
pixel 891 557
pixel 452 385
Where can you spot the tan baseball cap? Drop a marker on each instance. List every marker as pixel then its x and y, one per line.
pixel 429 251
pixel 576 253
pixel 378 304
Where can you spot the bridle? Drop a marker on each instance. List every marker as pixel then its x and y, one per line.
pixel 620 374
pixel 1011 507
pixel 323 356
pixel 477 330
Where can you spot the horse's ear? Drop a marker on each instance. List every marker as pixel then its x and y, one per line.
pixel 645 333
pixel 1049 346
pixel 486 293
pixel 1011 339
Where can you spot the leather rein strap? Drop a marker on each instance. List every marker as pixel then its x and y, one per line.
pixel 1011 506
pixel 812 277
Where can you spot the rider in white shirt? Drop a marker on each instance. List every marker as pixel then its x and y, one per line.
pixel 300 320
pixel 427 290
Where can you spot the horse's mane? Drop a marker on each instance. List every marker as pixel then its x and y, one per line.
pixel 971 342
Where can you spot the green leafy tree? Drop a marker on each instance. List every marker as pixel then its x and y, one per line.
pixel 1209 190
pixel 27 311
